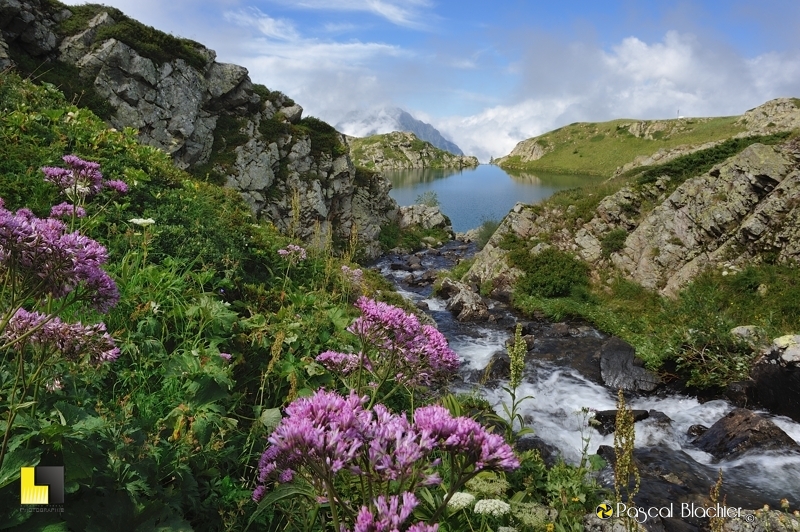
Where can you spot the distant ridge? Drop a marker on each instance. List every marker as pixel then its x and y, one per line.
pixel 389 119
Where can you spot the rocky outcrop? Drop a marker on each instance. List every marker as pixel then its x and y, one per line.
pixel 212 119
pixel 424 217
pixel 775 378
pixel 739 210
pixel 398 150
pixel 527 151
pixel 742 430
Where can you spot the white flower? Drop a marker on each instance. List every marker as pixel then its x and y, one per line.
pixel 460 500
pixel 142 221
pixel 494 507
pixel 506 529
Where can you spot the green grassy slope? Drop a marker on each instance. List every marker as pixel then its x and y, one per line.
pixel 600 148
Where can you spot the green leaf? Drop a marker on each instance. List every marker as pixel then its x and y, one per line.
pixel 14 461
pixel 270 418
pixel 314 369
pixel 78 463
pixel 284 491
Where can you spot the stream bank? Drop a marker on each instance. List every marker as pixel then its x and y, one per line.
pixel 682 441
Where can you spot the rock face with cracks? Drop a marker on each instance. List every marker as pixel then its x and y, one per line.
pixel 212 120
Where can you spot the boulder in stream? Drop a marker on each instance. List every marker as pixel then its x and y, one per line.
pixel 620 368
pixel 742 430
pixel 465 304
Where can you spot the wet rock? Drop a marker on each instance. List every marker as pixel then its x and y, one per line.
pixel 498 368
pixel 465 304
pixel 399 266
pixel 605 420
pixel 559 329
pixel 740 431
pixel 619 368
pixel 697 430
pixel 776 378
pixel 550 453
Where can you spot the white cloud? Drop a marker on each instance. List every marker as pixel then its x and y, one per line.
pixel 269 27
pixel 408 13
pixel 632 80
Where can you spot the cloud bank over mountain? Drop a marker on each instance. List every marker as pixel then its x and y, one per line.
pixel 488 75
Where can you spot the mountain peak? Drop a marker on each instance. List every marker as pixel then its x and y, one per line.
pixel 390 119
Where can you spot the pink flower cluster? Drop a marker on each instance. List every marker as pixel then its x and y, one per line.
pixel 326 433
pixel 46 260
pixel 293 251
pixel 353 275
pixel 67 210
pixel 419 353
pixel 72 340
pixel 344 363
pixel 41 252
pixel 82 179
pixel 390 514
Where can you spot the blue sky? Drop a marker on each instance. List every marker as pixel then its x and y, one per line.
pixel 489 74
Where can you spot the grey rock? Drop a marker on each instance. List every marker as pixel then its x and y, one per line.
pixel 619 370
pixel 740 431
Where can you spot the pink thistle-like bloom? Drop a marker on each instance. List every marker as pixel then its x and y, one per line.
pixel 390 513
pixel 82 179
pixel 226 356
pixel 293 251
pixel 72 340
pixel 67 210
pixel 41 254
pixel 344 363
pixel 419 353
pixel 322 434
pixel 466 437
pixel 117 185
pixel 354 275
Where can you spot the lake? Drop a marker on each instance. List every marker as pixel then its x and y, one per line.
pixel 473 195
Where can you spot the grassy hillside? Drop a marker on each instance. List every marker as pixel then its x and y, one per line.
pixel 600 148
pixel 168 435
pixel 403 150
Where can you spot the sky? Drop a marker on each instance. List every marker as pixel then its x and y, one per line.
pixel 490 74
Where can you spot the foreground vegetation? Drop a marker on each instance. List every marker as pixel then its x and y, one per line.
pixel 215 323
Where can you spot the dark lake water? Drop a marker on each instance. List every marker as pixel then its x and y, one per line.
pixel 472 195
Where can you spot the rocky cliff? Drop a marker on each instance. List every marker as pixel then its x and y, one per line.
pixel 660 233
pixel 397 150
pixel 209 116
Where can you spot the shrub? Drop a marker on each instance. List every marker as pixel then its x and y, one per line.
pixel 552 273
pixel 613 242
pixel 428 198
pixel 324 137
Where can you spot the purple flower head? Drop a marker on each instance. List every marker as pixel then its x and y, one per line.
pixel 82 179
pixel 419 353
pixel 344 363
pixel 466 437
pixel 42 255
pixel 67 210
pixel 389 516
pixel 72 340
pixel 226 356
pixel 293 252
pixel 353 275
pixel 321 432
pixel 117 185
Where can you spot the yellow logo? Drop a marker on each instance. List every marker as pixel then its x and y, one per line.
pixel 50 487
pixel 604 511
